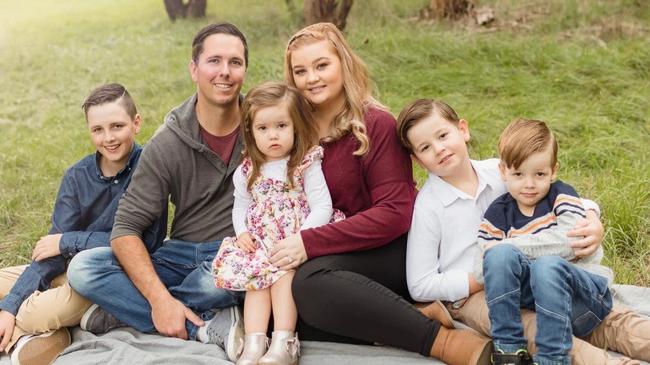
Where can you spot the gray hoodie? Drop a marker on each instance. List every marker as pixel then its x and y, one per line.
pixel 177 165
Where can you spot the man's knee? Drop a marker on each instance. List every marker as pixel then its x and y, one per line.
pixel 85 265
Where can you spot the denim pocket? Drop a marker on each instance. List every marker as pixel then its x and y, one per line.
pixel 584 324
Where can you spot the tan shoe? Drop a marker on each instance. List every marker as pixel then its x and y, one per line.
pixel 624 331
pixel 40 349
pixel 461 347
pixel 255 345
pixel 438 312
pixel 284 349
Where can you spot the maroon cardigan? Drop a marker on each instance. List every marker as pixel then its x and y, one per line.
pixel 375 191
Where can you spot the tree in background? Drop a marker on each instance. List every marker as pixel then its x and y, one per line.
pixel 450 9
pixel 181 9
pixel 332 11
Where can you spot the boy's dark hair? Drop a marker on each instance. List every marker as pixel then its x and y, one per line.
pixel 524 137
pixel 107 94
pixel 217 28
pixel 417 111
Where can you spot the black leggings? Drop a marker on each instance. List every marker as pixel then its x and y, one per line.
pixel 361 297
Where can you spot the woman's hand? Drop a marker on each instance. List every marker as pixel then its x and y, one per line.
pixel 591 230
pixel 289 253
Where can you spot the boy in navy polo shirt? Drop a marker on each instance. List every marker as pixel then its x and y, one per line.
pixel 37 302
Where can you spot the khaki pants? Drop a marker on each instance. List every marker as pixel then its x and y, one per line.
pixel 621 331
pixel 59 306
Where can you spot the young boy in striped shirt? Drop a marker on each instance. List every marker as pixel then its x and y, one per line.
pixel 527 258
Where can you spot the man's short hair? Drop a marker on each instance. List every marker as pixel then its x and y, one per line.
pixel 524 137
pixel 217 28
pixel 107 94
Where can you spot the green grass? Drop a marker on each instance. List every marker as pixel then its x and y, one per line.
pixel 583 66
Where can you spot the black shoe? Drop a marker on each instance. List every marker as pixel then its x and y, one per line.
pixel 521 357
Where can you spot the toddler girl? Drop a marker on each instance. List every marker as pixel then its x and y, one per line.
pixel 279 190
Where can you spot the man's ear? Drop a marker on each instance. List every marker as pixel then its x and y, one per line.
pixel 192 68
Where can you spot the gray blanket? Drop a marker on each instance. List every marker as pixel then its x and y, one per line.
pixel 127 346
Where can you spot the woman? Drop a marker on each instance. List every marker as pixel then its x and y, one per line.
pixel 351 284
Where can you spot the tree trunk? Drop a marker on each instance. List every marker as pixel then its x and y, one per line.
pixel 180 9
pixel 332 11
pixel 451 9
pixel 196 8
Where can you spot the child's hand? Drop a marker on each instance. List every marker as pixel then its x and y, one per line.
pixel 46 247
pixel 246 242
pixel 7 324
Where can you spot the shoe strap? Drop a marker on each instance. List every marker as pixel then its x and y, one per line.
pixel 519 358
pixel 293 346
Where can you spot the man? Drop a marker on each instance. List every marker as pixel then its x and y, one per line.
pixel 190 161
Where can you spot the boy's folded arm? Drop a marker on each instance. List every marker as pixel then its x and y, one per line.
pixel 423 276
pixel 37 276
pixel 72 243
pixel 553 240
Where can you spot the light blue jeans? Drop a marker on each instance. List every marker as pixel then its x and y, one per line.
pixel 568 300
pixel 185 268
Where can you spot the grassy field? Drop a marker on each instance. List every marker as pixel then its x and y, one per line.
pixel 583 66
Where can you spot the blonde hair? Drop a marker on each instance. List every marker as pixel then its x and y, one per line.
pixel 356 82
pixel 270 94
pixel 524 137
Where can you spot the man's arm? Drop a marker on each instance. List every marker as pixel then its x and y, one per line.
pixel 168 313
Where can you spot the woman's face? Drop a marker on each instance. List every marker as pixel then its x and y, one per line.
pixel 317 73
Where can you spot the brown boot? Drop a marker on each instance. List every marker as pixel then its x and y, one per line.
pixel 461 347
pixel 624 331
pixel 436 311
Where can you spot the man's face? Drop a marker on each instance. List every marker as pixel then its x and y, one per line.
pixel 219 70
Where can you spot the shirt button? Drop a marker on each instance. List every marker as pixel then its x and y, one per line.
pixel 116 181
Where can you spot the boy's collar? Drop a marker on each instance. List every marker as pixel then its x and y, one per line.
pixel 449 193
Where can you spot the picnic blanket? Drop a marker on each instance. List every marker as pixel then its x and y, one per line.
pixel 128 346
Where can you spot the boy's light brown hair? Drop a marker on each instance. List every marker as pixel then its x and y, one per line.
pixel 107 94
pixel 419 110
pixel 524 137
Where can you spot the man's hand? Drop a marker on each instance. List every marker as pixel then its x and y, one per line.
pixel 7 325
pixel 46 247
pixel 169 315
pixel 591 232
pixel 246 242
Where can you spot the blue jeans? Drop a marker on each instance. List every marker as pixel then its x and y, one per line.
pixel 185 268
pixel 568 300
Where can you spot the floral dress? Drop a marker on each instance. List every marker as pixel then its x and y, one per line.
pixel 275 213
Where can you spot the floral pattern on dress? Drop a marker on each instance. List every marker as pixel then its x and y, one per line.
pixel 276 212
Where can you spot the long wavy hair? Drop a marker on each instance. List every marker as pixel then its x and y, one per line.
pixel 305 137
pixel 356 82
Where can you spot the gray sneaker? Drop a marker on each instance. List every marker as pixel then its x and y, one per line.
pixel 226 329
pixel 98 321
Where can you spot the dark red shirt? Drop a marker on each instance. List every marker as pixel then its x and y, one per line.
pixel 375 191
pixel 221 145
